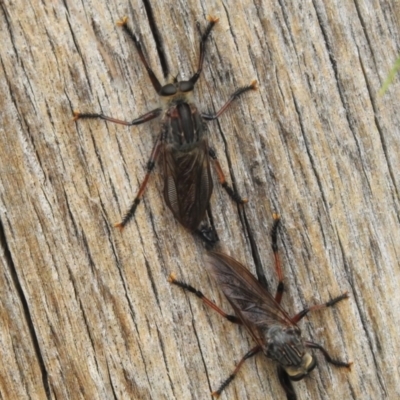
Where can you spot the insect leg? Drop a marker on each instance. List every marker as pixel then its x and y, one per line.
pixel 231 377
pixel 156 83
pixel 140 120
pixel 234 96
pixel 200 295
pixel 204 37
pixel 150 166
pixel 222 180
pixel 278 268
pixel 330 303
pixel 328 358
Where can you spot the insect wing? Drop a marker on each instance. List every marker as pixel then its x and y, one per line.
pixel 255 306
pixel 188 183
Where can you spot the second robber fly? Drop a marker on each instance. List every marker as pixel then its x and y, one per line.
pixel 275 332
pixel 182 143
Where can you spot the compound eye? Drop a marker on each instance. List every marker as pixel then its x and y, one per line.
pixel 297 377
pixel 186 86
pixel 299 372
pixel 168 90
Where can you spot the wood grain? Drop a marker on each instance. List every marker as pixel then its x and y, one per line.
pixel 87 312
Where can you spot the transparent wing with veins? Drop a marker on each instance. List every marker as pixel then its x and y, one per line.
pixel 253 304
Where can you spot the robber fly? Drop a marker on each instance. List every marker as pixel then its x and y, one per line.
pixel 182 143
pixel 273 329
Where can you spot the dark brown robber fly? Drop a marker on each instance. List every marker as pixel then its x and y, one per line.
pixel 182 143
pixel 273 329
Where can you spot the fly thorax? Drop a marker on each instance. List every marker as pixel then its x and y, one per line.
pixel 285 345
pixel 183 151
pixel 184 123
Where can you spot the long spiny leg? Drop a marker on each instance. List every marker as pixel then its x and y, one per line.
pixel 328 358
pixel 317 346
pixel 221 176
pixel 231 377
pixel 232 318
pixel 234 96
pixel 150 166
pixel 140 120
pixel 203 41
pixel 329 303
pixel 222 180
pixel 156 83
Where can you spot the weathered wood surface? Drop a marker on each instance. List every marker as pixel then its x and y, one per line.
pixel 86 312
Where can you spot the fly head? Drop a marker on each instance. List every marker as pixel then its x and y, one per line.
pixel 172 89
